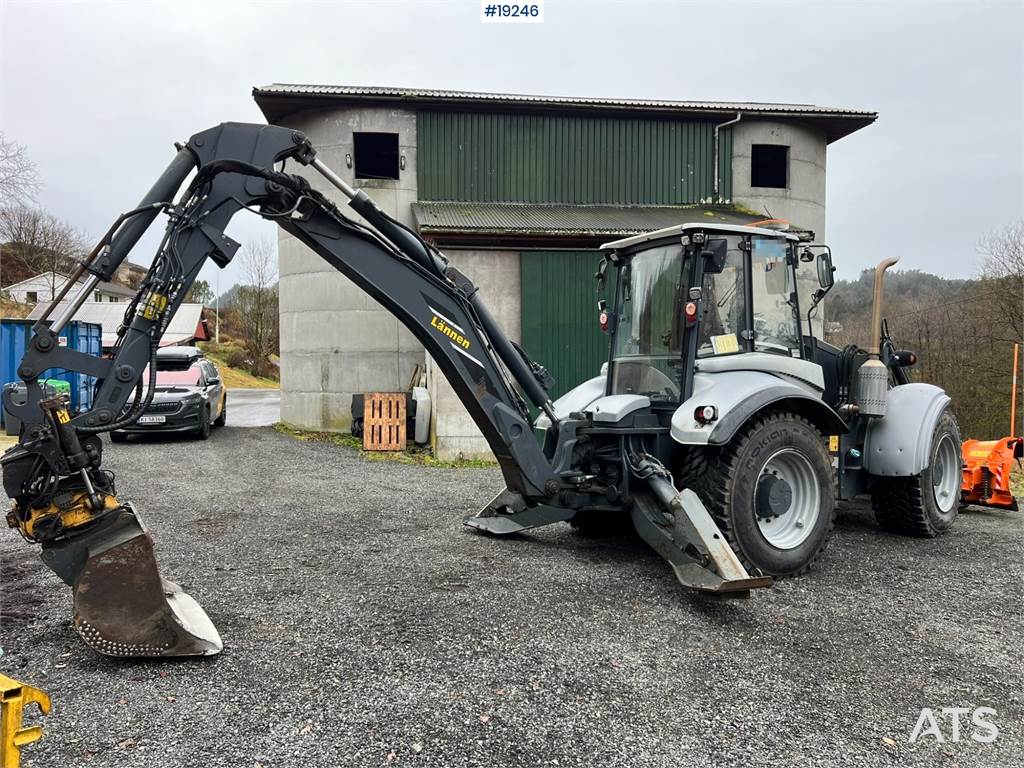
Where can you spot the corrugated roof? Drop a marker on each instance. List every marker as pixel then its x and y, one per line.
pixel 110 315
pixel 437 217
pixel 279 99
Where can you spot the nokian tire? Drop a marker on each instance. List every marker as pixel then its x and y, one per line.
pixel 728 485
pixel 907 505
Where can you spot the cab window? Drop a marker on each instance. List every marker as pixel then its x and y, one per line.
pixel 774 292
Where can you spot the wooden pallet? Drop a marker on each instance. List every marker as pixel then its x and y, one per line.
pixel 384 421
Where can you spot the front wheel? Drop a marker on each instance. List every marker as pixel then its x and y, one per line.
pixel 203 433
pixel 927 503
pixel 770 493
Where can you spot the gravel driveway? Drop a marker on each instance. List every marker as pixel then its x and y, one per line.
pixel 364 626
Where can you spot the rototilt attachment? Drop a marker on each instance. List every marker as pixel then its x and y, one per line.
pixel 122 605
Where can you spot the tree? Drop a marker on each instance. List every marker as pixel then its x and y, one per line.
pixel 1002 275
pixel 18 178
pixel 256 303
pixel 34 242
pixel 199 293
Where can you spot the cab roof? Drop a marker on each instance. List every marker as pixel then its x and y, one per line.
pixel 681 229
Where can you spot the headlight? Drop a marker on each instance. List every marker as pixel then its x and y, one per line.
pixel 191 400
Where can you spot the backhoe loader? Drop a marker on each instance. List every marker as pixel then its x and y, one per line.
pixel 717 426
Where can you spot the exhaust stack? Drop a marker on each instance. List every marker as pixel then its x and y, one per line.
pixel 873 376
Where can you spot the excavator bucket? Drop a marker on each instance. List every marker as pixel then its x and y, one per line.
pixel 123 607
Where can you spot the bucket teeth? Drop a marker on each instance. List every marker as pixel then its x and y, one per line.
pixel 124 608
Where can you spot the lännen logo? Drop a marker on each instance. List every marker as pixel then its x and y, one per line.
pixel 443 325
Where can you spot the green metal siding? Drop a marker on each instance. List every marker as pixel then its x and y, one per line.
pixel 559 315
pixel 484 157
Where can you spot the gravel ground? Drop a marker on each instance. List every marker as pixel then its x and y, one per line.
pixel 364 626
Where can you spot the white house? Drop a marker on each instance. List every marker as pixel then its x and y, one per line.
pixel 43 287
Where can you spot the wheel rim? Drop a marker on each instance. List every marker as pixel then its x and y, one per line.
pixel 946 473
pixel 787 499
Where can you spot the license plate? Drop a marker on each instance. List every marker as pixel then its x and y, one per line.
pixel 152 419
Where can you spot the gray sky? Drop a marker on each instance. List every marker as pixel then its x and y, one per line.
pixel 98 92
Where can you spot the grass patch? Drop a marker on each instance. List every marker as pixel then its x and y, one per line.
pixel 413 455
pixel 1017 481
pixel 236 378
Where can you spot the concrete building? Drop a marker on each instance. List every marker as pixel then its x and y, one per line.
pixel 519 191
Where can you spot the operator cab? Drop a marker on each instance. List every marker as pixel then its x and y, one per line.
pixel 699 292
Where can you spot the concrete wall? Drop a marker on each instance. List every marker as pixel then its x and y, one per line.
pixel 497 276
pixel 335 340
pixel 803 200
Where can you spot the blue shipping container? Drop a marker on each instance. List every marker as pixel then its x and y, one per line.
pixel 81 336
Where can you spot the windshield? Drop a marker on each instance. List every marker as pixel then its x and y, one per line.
pixel 176 377
pixel 649 335
pixel 724 310
pixel 724 307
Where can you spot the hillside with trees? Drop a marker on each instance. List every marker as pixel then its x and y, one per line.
pixel 962 330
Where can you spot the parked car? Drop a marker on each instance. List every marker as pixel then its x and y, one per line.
pixel 189 396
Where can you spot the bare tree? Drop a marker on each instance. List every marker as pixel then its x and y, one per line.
pixel 18 178
pixel 33 242
pixel 1002 275
pixel 256 303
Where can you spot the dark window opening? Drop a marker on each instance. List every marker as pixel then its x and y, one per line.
pixel 32 297
pixel 376 155
pixel 769 166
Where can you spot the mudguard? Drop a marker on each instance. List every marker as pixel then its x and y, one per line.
pixel 900 443
pixel 739 395
pixel 575 400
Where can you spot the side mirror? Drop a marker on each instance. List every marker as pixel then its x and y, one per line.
pixel 715 252
pixel 212 382
pixel 826 272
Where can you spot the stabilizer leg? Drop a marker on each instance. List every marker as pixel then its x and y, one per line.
pixel 678 527
pixel 507 513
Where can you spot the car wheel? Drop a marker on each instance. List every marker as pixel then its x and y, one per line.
pixel 203 433
pixel 118 437
pixel 223 418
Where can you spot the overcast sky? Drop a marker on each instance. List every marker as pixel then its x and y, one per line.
pixel 98 92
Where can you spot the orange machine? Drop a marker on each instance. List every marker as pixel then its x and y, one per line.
pixel 988 464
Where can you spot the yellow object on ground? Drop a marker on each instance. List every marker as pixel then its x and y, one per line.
pixel 14 697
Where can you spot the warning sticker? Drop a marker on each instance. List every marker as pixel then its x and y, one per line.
pixel 725 344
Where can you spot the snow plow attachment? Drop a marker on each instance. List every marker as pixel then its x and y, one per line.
pixel 123 607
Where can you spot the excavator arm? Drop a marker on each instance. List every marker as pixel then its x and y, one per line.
pixel 66 501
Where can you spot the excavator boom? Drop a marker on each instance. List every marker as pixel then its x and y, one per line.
pixel 65 500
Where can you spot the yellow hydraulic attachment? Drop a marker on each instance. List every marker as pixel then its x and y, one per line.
pixel 14 697
pixel 70 511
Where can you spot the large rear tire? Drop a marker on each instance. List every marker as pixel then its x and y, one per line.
pixel 770 493
pixel 926 504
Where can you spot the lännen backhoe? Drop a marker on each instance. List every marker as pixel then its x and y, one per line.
pixel 710 427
